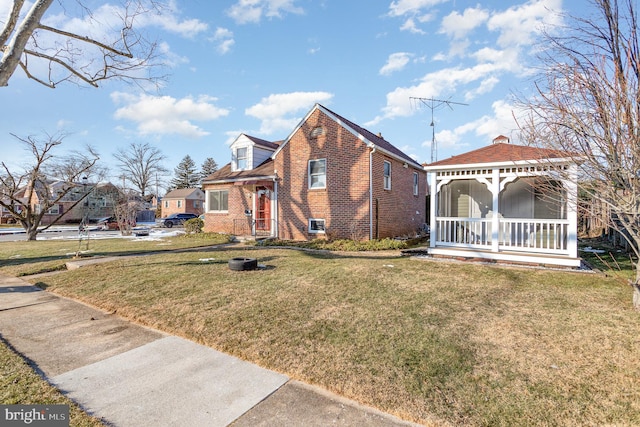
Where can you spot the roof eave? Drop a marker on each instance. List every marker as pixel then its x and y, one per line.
pixel 242 178
pixel 558 160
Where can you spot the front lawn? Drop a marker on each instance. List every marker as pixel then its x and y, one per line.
pixel 20 385
pixel 429 341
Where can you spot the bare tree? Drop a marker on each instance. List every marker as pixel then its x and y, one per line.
pixel 587 103
pixel 29 194
pixel 140 163
pixel 51 55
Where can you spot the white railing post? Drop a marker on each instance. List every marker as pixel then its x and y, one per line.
pixel 495 223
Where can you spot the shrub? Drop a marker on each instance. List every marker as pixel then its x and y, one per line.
pixel 342 244
pixel 193 225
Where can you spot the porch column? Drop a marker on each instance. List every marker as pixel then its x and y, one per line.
pixel 434 208
pixel 571 186
pixel 495 220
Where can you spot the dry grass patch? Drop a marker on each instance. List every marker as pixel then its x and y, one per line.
pixel 429 341
pixel 27 258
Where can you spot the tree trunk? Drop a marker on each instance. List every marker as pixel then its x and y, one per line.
pixel 32 234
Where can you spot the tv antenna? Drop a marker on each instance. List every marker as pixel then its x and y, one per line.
pixel 434 104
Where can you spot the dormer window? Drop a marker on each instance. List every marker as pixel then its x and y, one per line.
pixel 241 158
pixel 316 132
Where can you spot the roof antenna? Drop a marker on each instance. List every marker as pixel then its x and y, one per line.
pixel 434 104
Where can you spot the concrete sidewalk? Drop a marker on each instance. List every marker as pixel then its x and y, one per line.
pixel 130 375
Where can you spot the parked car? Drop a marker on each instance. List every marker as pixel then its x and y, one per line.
pixel 175 219
pixel 110 223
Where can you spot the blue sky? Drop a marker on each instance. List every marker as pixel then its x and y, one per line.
pixel 258 66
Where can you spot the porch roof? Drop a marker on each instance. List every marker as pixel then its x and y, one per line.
pixel 501 154
pixel 263 172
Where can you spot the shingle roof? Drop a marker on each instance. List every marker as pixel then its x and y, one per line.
pixel 265 169
pixel 374 139
pixel 264 143
pixel 181 193
pixel 501 153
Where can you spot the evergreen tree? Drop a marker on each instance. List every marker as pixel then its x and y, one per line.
pixel 209 166
pixel 186 175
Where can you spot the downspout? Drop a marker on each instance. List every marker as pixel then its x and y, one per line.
pixel 275 207
pixel 373 150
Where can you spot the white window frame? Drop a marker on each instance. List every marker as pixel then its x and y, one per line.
pixel 209 201
pixel 244 160
pixel 386 177
pixel 310 175
pixel 317 230
pixel 179 203
pixel 166 203
pixel 416 184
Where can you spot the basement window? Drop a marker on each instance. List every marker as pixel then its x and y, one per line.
pixel 316 226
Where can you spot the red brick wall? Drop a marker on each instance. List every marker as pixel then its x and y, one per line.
pixel 398 212
pixel 344 204
pixel 241 198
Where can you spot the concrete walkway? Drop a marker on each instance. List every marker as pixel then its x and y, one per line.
pixel 130 375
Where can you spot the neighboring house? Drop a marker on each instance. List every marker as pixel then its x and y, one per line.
pixel 489 204
pixel 183 200
pixel 329 178
pixel 100 202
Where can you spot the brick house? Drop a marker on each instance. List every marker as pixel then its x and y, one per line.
pixel 100 202
pixel 183 200
pixel 330 178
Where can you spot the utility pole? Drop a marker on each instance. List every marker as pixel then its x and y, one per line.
pixel 434 104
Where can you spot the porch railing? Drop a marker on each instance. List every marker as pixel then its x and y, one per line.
pixel 515 234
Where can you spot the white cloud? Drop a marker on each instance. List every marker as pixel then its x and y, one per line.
pixel 252 11
pixel 108 17
pixel 163 115
pixel 411 7
pixel 412 10
pixel 410 25
pixel 487 127
pixel 458 26
pixel 279 112
pixel 168 18
pixel 438 85
pixel 396 62
pixel 224 39
pixel 518 24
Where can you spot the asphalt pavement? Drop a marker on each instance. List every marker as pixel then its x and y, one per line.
pixel 130 375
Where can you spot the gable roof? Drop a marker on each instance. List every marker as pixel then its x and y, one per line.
pixel 184 193
pixel 504 153
pixel 368 137
pixel 263 143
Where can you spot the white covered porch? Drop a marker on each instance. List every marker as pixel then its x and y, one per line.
pixel 500 211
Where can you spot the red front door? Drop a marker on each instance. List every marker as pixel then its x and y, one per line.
pixel 263 214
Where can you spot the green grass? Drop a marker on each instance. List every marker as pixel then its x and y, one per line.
pixel 611 261
pixel 19 384
pixel 27 258
pixel 431 342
